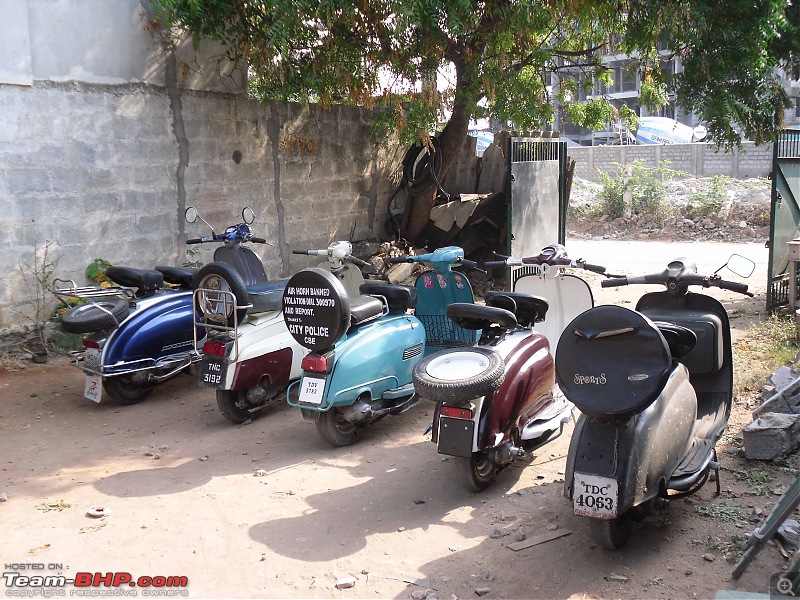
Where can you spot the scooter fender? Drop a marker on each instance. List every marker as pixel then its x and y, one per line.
pixel 266 349
pixel 160 326
pixel 526 389
pixel 374 358
pixel 640 453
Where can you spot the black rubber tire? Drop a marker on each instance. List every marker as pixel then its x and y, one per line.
pixel 477 472
pixel 440 389
pixel 87 318
pixel 335 430
pixel 231 404
pixel 221 276
pixel 612 534
pixel 125 391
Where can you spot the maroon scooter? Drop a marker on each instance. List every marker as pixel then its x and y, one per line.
pixel 498 400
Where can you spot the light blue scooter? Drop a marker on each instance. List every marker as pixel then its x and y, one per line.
pixel 364 348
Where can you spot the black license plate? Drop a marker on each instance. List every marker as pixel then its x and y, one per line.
pixel 212 373
pixel 455 436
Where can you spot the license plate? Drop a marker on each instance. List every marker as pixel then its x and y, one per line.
pixel 91 359
pixel 312 390
pixel 595 496
pixel 93 388
pixel 212 373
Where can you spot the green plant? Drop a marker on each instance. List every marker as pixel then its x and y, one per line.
pixel 636 189
pixel 767 345
pixel 708 202
pixel 193 260
pixel 757 478
pixel 50 506
pixel 96 270
pixel 729 514
pixel 731 548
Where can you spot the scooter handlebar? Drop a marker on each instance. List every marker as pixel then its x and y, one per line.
pixel 258 240
pixel 356 261
pixel 592 268
pixel 495 263
pixel 393 260
pixel 614 282
pixel 194 241
pixel 740 288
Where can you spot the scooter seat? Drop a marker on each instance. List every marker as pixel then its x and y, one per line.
pixel 364 309
pixel 476 317
pixel 145 280
pixel 266 296
pixel 399 297
pixel 529 309
pixel 180 276
pixel 680 339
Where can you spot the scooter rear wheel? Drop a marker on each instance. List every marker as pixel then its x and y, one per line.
pixel 125 391
pixel 477 472
pixel 335 430
pixel 102 314
pixel 612 534
pixel 233 406
pixel 459 374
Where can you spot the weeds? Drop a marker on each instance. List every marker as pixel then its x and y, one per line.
pixel 729 514
pixel 767 344
pixel 50 506
pixel 757 478
pixel 731 548
pixel 710 201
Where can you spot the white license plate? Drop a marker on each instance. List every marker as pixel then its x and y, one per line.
pixel 93 389
pixel 91 359
pixel 312 390
pixel 595 496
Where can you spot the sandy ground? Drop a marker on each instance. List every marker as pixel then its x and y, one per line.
pixel 267 510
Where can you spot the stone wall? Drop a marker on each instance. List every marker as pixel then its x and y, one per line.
pixel 698 160
pixel 106 171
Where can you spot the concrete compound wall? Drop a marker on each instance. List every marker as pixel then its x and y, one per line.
pixel 698 160
pixel 106 171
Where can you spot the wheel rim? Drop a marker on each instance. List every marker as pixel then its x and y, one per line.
pixel 215 298
pixel 343 426
pixel 457 365
pixel 483 467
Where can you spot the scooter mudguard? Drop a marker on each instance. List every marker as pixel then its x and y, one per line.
pixel 375 358
pixel 526 390
pixel 435 291
pixel 567 295
pixel 613 466
pixel 160 326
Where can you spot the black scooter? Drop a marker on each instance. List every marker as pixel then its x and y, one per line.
pixel 655 388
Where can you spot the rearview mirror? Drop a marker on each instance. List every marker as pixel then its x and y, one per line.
pixel 741 265
pixel 190 214
pixel 248 216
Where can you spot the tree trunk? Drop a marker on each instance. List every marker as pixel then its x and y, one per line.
pixel 418 209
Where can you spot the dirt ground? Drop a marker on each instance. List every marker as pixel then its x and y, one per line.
pixel 267 510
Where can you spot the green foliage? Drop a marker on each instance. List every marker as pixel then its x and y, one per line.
pixel 646 186
pixel 722 511
pixel 767 345
pixel 757 478
pixel 506 59
pixel 96 270
pixel 709 201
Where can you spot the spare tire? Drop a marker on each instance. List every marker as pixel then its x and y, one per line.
pixel 316 309
pixel 459 374
pixel 212 285
pixel 105 313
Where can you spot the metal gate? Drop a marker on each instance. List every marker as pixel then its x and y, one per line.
pixel 537 192
pixel 784 216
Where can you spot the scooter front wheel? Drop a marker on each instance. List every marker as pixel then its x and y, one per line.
pixel 612 534
pixel 459 374
pixel 126 391
pixel 477 472
pixel 334 429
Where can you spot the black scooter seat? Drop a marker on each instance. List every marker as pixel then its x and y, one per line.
pixel 364 309
pixel 528 309
pixel 180 276
pixel 399 297
pixel 146 281
pixel 476 317
pixel 266 296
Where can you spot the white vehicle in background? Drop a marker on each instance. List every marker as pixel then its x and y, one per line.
pixel 662 130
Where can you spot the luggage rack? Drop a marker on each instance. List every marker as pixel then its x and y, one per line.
pixel 88 292
pixel 223 303
pixel 441 331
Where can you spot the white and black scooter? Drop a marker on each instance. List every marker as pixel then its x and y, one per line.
pixel 655 387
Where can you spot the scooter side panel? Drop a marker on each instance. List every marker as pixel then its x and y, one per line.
pixel 165 327
pixel 641 452
pixel 370 359
pixel 526 389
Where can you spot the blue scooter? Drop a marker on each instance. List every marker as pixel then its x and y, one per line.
pixel 364 348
